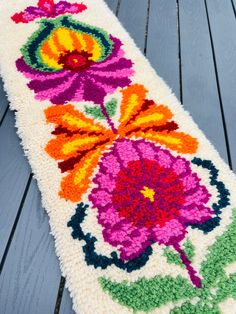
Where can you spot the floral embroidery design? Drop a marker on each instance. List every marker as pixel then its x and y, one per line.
pixel 217 285
pixel 93 258
pixel 99 260
pixel 80 141
pixel 48 9
pixel 143 195
pixel 141 187
pixel 223 196
pixel 67 60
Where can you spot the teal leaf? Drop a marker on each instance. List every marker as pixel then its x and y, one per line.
pixel 174 258
pixel 221 253
pixel 96 112
pixel 148 294
pixel 111 107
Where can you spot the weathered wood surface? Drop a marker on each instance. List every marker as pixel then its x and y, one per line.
pixel 192 46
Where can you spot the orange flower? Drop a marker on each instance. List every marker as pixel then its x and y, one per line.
pixel 80 141
pixel 78 145
pixel 143 118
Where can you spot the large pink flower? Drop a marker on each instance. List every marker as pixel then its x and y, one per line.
pixel 143 195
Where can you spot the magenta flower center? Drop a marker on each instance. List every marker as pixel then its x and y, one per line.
pixel 75 60
pixel 148 194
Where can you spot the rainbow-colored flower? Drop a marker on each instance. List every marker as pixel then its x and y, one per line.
pixel 67 60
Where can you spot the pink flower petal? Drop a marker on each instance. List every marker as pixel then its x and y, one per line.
pixel 198 198
pixel 190 181
pixel 180 166
pixel 196 214
pixel 130 152
pixel 164 158
pixel 147 151
pixel 131 241
pixel 108 217
pixel 111 164
pixel 106 181
pixel 173 230
pixel 101 198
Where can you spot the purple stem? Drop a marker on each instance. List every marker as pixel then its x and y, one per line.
pixel 192 272
pixel 110 122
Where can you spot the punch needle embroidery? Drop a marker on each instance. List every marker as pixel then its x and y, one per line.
pixel 48 9
pixel 144 195
pixel 142 211
pixel 67 60
pixel 218 286
pixel 80 141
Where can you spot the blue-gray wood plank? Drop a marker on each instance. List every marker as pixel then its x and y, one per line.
pixel 14 175
pixel 133 15
pixel 223 30
pixel 162 42
pixel 66 303
pixel 112 4
pixel 30 277
pixel 3 101
pixel 199 86
pixel 234 6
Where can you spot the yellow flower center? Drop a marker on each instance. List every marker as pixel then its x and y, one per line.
pixel 148 193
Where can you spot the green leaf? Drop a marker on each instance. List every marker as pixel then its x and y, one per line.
pixel 174 258
pixel 147 294
pixel 189 249
pixel 221 253
pixel 111 107
pixel 96 112
pixel 195 309
pixel 226 288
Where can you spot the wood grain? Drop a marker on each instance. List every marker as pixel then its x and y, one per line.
pixel 14 174
pixel 31 274
pixel 199 86
pixel 112 4
pixel 223 30
pixel 133 16
pixel 66 303
pixel 162 42
pixel 3 100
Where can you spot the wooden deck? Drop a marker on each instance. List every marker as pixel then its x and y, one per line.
pixel 192 45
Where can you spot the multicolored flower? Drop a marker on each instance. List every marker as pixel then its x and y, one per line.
pixel 48 9
pixel 80 141
pixel 67 60
pixel 144 195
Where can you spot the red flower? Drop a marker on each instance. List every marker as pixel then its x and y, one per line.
pixel 48 9
pixel 143 195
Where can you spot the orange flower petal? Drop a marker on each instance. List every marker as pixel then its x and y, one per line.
pixel 178 141
pixel 133 97
pixel 72 119
pixel 74 185
pixel 63 147
pixel 153 116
